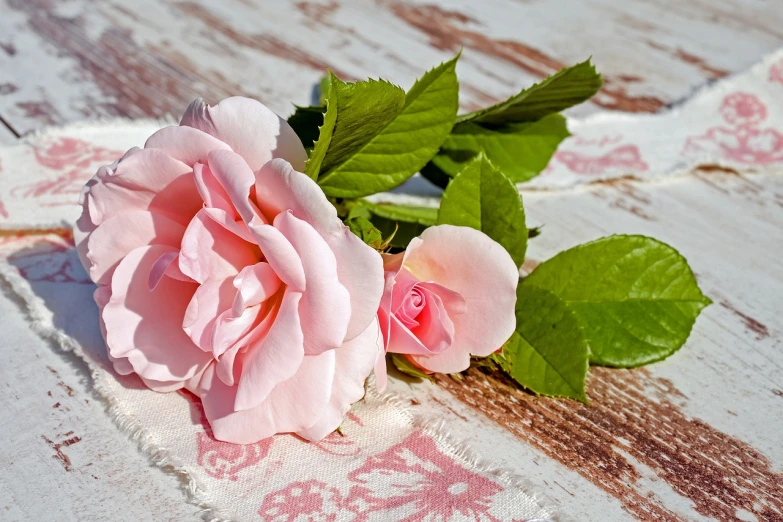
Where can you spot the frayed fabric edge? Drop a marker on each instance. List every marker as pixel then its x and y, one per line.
pixel 462 451
pixel 159 456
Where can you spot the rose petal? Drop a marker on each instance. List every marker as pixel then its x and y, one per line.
pixel 233 174
pixel 160 267
pixel 254 284
pixel 249 128
pixel 226 220
pixel 85 225
pixel 354 361
pixel 185 144
pixel 146 327
pixel 120 234
pixel 212 192
pixel 325 309
pixel 231 329
pixel 381 375
pixel 209 251
pixel 359 268
pixel 212 298
pixel 402 340
pixel 150 180
pixel 280 254
pixel 292 406
pixel 275 358
pixel 450 361
pixel 434 330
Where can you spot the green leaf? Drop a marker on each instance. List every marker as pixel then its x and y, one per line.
pixel 426 216
pixel 520 150
pixel 481 197
pixel 408 368
pixel 566 88
pixel 323 89
pixel 355 113
pixel 637 298
pixel 374 136
pixel 306 122
pixel 548 352
pixel 365 231
pixel 404 222
pixel 520 134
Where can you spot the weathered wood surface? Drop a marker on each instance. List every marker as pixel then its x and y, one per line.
pixel 6 136
pixel 695 437
pixel 63 458
pixel 78 59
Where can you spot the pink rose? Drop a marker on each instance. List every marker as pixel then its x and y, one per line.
pixel 222 269
pixel 450 295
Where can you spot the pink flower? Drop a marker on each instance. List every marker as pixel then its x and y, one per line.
pixel 450 295
pixel 222 269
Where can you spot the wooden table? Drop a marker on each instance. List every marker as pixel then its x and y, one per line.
pixel 696 437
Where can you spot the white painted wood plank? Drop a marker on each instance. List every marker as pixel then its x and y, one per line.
pixel 75 60
pixel 61 456
pixel 6 136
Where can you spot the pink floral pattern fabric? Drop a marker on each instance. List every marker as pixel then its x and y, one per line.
pixel 67 159
pixel 412 481
pixel 625 158
pixel 415 478
pixel 224 460
pixel 743 139
pixel 776 72
pixel 302 501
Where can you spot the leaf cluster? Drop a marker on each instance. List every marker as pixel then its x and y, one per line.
pixel 619 301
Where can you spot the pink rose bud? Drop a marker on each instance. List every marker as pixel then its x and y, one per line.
pixel 450 295
pixel 224 270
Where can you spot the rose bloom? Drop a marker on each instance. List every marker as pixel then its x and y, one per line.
pixel 450 295
pixel 223 269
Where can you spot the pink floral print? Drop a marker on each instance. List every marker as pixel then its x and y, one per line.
pixel 224 460
pixel 308 501
pixel 623 159
pixel 743 109
pixel 49 260
pixel 414 482
pixel 744 141
pixel 74 160
pixel 776 72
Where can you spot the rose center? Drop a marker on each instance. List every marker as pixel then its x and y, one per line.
pixel 411 307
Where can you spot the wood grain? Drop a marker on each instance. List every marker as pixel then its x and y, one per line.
pixel 62 457
pixel 85 59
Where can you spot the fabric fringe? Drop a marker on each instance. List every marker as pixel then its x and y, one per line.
pixel 41 323
pixel 461 451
